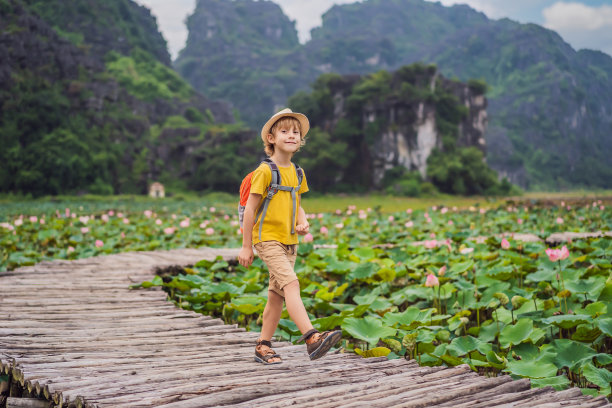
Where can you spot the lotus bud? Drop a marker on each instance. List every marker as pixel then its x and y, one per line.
pixel 564 294
pixel 518 301
pixel 409 340
pixel 464 320
pixel 502 297
pixel 549 304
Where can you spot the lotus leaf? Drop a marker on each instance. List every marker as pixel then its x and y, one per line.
pixel 598 376
pixel 605 325
pixel 386 274
pixel 369 329
pixel 567 321
pixel 365 254
pixel 596 309
pixel 393 344
pixel 363 271
pixel 571 353
pixel 559 382
pixel 375 352
pixel 531 369
pixel 592 286
pixel 461 346
pixel 586 333
pixel 449 360
pixel 496 361
pixel 516 333
pixel 408 317
pixel 460 267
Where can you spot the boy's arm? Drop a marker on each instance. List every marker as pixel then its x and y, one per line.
pixel 302 226
pixel 245 257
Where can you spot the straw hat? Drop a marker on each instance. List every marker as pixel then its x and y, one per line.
pixel 304 124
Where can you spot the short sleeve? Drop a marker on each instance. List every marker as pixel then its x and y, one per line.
pixel 261 179
pixel 304 186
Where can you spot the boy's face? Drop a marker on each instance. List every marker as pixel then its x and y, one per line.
pixel 286 138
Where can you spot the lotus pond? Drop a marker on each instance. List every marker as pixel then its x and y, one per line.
pixel 411 284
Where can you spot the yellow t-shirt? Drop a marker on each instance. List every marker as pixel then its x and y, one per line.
pixel 277 224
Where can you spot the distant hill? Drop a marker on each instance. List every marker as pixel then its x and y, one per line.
pixel 89 104
pixel 550 107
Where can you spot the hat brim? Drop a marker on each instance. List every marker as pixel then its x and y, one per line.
pixel 304 123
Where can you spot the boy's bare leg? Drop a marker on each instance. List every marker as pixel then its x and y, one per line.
pixel 271 317
pixel 296 309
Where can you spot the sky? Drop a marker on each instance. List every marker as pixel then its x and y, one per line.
pixel 581 23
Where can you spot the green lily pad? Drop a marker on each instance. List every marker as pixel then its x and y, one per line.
pixel 374 352
pixel 407 317
pixel 598 376
pixel 531 369
pixel 559 382
pixel 570 353
pixel 567 321
pixel 461 346
pixel 516 333
pixel 605 325
pixel 369 329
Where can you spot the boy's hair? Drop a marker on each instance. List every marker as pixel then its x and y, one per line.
pixel 284 123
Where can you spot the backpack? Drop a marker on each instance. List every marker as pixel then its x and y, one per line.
pixel 271 190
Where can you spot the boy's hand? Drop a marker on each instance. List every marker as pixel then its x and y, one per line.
pixel 302 229
pixel 245 256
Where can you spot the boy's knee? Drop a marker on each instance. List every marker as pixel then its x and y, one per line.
pixel 293 285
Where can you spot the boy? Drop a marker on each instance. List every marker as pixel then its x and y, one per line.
pixel 283 135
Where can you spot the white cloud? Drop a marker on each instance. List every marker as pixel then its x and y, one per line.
pixel 171 20
pixel 577 16
pixel 582 26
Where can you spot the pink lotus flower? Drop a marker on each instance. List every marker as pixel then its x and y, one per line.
pixel 431 244
pixel 557 254
pixel 601 207
pixel 391 218
pixel 352 207
pixel 73 215
pixel 559 220
pixel 505 244
pixel 84 230
pixel 448 245
pixel 454 208
pixel 432 281
pixel 349 212
pixel 169 230
pixel 320 215
pixel 212 209
pixel 562 203
pixel 466 251
pixel 111 213
pixel 122 234
pixel 409 224
pixel 67 212
pixel 363 216
pixel 409 211
pixel 444 210
pixel 174 216
pixel 450 222
pixel 105 217
pixel 339 225
pixel 434 208
pixel 482 211
pixel 308 238
pixel 204 224
pixel 209 231
pixel 519 221
pixel 428 220
pixel 238 231
pixel 442 271
pixel 18 222
pixel 120 215
pixel 426 215
pixel 84 219
pixel 234 223
pixel 432 235
pixel 148 213
pixel 33 218
pixel 99 243
pixel 226 217
pixel 184 223
pixel 70 249
pixel 338 212
pixel 42 221
pixel 158 221
pixel 126 221
pixel 324 230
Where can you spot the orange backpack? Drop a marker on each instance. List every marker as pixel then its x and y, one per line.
pixel 274 187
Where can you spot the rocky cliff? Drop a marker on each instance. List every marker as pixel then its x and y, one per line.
pixel 390 120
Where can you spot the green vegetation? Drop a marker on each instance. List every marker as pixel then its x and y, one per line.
pixel 146 78
pixel 348 152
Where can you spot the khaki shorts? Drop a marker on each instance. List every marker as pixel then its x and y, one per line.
pixel 280 259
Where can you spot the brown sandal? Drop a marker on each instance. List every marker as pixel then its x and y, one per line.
pixel 270 354
pixel 319 348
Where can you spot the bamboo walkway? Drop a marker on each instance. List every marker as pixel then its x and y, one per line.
pixel 72 332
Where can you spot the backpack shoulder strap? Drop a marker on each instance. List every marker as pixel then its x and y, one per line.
pixel 271 191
